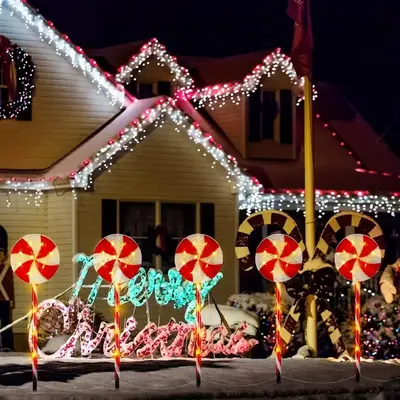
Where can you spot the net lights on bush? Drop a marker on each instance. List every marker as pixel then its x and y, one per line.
pixel 74 54
pixel 154 49
pixel 217 95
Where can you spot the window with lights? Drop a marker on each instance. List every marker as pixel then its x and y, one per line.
pixel 270 115
pixel 157 227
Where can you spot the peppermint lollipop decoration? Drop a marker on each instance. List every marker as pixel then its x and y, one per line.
pixel 117 259
pixel 278 259
pixel 34 259
pixel 198 258
pixel 358 258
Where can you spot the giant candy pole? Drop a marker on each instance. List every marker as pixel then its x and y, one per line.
pixel 34 327
pixel 278 349
pixel 117 353
pixel 357 348
pixel 198 333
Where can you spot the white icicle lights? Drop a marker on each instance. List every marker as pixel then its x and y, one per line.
pixel 74 54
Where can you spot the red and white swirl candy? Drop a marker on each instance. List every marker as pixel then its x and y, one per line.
pixel 35 259
pixel 278 258
pixel 117 258
pixel 198 258
pixel 358 257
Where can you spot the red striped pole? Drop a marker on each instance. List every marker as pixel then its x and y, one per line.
pixel 278 350
pixel 117 353
pixel 198 334
pixel 357 348
pixel 34 327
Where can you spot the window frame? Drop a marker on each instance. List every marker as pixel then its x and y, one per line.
pixel 158 203
pixel 158 215
pixel 277 119
pixel 154 86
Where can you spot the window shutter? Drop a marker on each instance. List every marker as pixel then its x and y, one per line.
pixel 269 113
pixel 108 217
pixel 207 219
pixel 254 116
pixel 286 117
pixel 164 88
pixel 25 115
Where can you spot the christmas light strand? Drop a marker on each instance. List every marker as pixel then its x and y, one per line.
pixel 25 71
pixel 251 194
pixel 74 54
pixel 217 95
pixel 249 189
pixel 153 48
pixel 360 166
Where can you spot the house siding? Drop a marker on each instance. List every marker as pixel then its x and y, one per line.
pixel 166 166
pixel 66 105
pixel 60 230
pixel 21 219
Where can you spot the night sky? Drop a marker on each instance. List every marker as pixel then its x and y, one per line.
pixel 356 42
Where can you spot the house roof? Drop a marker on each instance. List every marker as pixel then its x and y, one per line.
pixel 227 69
pixel 113 57
pixel 348 153
pixel 61 43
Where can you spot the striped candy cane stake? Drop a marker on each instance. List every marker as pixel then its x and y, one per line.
pixel 278 350
pixel 117 353
pixel 34 327
pixel 198 334
pixel 357 348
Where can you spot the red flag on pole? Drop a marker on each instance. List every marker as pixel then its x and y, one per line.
pixel 299 12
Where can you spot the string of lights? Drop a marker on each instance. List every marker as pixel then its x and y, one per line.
pixel 74 54
pixel 25 71
pixel 153 48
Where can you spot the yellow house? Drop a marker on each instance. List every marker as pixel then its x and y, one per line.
pixel 186 148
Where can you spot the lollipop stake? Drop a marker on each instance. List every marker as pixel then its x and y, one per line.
pixel 278 259
pixel 358 258
pixel 34 333
pixel 198 258
pixel 34 259
pixel 117 259
pixel 198 334
pixel 117 353
pixel 278 350
pixel 357 348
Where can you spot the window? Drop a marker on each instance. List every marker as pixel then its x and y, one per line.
pixel 143 90
pixel 138 220
pixel 164 88
pixel 4 95
pixel 286 116
pixel 270 116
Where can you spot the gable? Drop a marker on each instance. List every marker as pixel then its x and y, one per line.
pixel 66 108
pixel 167 165
pixel 155 53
